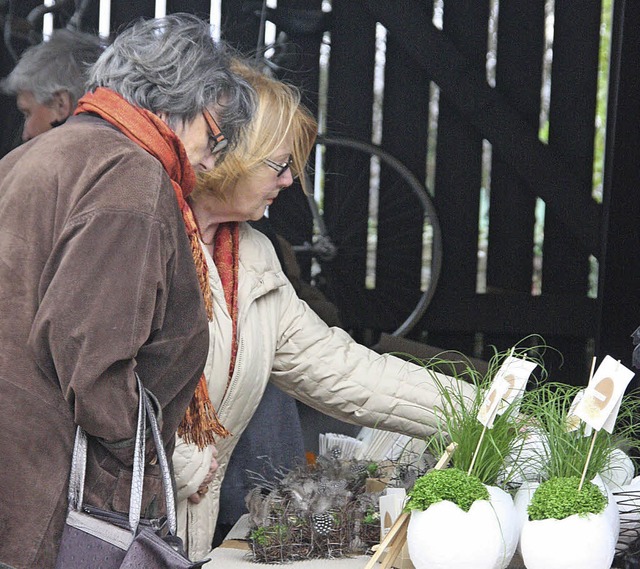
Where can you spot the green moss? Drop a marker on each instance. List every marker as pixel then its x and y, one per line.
pixel 451 484
pixel 371 517
pixel 268 535
pixel 372 470
pixel 558 498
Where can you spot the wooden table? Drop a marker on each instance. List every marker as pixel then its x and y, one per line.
pixel 234 553
pixel 230 557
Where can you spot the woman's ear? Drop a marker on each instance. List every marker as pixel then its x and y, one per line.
pixel 62 105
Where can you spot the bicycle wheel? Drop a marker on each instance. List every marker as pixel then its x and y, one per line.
pixel 375 250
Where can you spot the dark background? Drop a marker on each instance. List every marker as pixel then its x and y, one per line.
pixel 506 113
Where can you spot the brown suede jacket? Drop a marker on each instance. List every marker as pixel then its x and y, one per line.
pixel 96 281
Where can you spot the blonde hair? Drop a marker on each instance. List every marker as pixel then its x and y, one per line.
pixel 280 113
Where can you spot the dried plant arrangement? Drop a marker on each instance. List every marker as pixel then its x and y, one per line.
pixel 316 511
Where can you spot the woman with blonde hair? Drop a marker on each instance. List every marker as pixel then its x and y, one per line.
pixel 261 331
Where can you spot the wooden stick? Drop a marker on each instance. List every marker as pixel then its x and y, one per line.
pixel 586 464
pixel 395 548
pixel 446 456
pixel 595 433
pixel 397 535
pixel 397 529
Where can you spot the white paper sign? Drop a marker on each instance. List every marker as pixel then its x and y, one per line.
pixel 573 421
pixel 603 396
pixel 391 506
pixel 508 384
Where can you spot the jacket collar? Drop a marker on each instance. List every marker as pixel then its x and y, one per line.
pixel 258 274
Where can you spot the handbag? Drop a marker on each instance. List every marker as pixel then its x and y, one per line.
pixel 110 540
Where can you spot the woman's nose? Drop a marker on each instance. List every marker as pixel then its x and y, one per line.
pixel 286 179
pixel 208 162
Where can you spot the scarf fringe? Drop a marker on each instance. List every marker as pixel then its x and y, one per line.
pixel 200 424
pixel 203 273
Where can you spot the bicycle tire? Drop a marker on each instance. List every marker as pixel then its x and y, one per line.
pixel 343 172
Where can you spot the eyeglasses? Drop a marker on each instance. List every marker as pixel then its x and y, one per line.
pixel 217 140
pixel 279 167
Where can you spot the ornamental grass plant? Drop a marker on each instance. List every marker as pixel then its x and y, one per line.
pixel 571 519
pixel 565 451
pixel 572 451
pixel 458 423
pixel 463 516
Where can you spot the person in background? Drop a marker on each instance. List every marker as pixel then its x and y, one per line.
pixel 49 79
pixel 100 277
pixel 262 332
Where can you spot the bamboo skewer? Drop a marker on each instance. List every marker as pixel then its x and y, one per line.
pixel 595 433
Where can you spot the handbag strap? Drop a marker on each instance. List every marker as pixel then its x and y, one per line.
pixel 78 468
pixel 79 465
pixel 164 465
pixel 137 474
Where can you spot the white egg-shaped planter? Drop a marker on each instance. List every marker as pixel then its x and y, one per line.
pixel 576 542
pixel 527 460
pixel 521 502
pixel 446 537
pixel 612 511
pixel 620 470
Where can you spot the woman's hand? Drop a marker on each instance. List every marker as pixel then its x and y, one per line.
pixel 204 487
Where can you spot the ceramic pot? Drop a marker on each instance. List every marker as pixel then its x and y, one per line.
pixel 576 542
pixel 446 537
pixel 572 543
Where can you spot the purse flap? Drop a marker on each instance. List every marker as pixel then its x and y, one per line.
pixel 121 538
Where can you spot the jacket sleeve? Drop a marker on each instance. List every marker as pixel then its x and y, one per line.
pixel 326 369
pixel 190 466
pixel 102 296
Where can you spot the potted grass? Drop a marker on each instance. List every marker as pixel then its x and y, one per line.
pixel 460 517
pixel 568 516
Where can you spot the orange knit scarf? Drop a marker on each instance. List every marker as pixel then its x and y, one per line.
pixel 200 423
pixel 226 259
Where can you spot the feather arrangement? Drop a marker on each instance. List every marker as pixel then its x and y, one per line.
pixel 322 511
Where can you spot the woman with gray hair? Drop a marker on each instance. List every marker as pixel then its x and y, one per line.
pixel 50 77
pixel 177 78
pixel 102 275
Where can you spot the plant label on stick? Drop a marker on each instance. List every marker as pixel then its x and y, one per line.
pixel 602 398
pixel 508 385
pixel 573 421
pixel 610 423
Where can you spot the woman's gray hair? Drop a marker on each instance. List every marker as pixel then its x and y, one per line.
pixel 59 64
pixel 172 65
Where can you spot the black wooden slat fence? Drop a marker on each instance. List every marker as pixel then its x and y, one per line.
pixel 519 77
pixel 457 190
pixel 512 205
pixel 620 264
pixel 523 168
pixel 571 133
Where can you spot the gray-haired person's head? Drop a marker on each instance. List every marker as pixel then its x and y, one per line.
pixel 60 64
pixel 173 65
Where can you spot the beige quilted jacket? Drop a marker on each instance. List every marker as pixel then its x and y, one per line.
pixel 283 341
